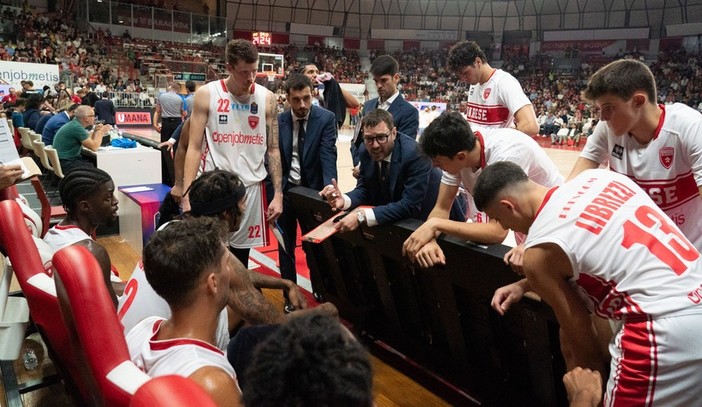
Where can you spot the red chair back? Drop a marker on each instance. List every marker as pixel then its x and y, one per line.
pixel 38 287
pixel 9 193
pixel 92 323
pixel 171 391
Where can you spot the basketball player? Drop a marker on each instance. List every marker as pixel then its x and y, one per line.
pixel 188 264
pixel 461 153
pixel 88 196
pixel 657 146
pixel 240 119
pixel 495 98
pixel 215 194
pixel 599 243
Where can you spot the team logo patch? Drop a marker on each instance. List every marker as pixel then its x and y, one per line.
pixel 665 155
pixel 253 121
pixel 486 93
pixel 254 108
pixel 223 119
pixel 618 151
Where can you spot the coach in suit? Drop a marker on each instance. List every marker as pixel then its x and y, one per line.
pixel 385 71
pixel 394 177
pixel 307 137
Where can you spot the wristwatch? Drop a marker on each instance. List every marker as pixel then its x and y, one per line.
pixel 361 216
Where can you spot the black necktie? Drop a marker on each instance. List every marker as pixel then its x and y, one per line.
pixel 300 139
pixel 384 185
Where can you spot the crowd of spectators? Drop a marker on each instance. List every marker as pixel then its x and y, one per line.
pixel 87 62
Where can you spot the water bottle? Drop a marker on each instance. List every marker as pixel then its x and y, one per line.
pixel 30 360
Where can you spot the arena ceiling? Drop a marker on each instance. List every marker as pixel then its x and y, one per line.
pixel 356 18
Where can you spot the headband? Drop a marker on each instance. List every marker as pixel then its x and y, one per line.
pixel 218 205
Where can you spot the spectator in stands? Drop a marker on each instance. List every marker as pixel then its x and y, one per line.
pixel 89 200
pixel 18 113
pixel 31 114
pixel 89 97
pixel 56 122
pixel 73 136
pixel 105 109
pixel 77 96
pixel 495 98
pixel 385 71
pixel 311 360
pixel 188 264
pixel 39 128
pixel 28 89
pixel 11 97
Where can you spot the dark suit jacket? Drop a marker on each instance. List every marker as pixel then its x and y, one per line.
pixel 105 110
pixel 409 177
pixel 405 116
pixel 319 151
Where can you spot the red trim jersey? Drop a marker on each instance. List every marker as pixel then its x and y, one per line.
pixel 60 236
pixel 668 168
pixel 631 263
pixel 235 139
pixel 494 103
pixel 140 301
pixel 505 145
pixel 181 356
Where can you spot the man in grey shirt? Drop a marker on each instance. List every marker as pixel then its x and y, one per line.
pixel 170 112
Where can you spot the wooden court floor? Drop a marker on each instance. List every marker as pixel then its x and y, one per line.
pixel 392 388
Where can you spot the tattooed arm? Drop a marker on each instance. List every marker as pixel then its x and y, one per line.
pixel 275 168
pixel 259 280
pixel 247 302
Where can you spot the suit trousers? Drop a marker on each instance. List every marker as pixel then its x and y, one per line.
pixel 168 126
pixel 288 223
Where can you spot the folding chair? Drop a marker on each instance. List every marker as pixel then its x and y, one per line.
pixel 52 154
pixel 49 214
pixel 26 139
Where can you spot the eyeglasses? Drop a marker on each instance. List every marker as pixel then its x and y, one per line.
pixel 380 138
pixel 90 115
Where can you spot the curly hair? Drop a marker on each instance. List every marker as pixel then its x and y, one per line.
pixel 311 360
pixel 239 49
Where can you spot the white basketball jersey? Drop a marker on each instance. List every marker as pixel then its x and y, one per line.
pixel 505 145
pixel 668 168
pixel 236 139
pixel 60 236
pixel 182 356
pixel 140 301
pixel 493 104
pixel 628 257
